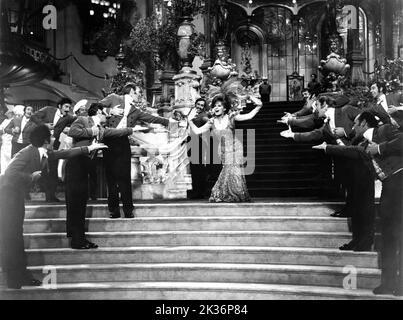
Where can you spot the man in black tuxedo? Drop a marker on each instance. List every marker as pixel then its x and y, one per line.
pixel 265 91
pixel 198 165
pixel 118 156
pixel 84 131
pixel 20 128
pixel 381 150
pixel 25 168
pixel 337 118
pixel 55 119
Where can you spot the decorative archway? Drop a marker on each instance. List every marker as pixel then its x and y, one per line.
pixel 248 40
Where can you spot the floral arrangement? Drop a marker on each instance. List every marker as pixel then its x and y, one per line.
pixel 391 72
pixel 149 35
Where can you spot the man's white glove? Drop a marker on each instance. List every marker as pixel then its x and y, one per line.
pixel 320 146
pixel 287 134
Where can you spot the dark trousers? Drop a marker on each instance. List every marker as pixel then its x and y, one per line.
pixel 92 175
pixel 199 181
pixel 344 177
pixel 12 214
pixel 118 174
pixel 76 198
pixel 363 205
pixel 49 180
pixel 391 212
pixel 17 147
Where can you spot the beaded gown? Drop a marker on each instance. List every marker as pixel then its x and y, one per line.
pixel 231 183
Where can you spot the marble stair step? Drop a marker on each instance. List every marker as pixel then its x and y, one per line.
pixel 189 291
pixel 206 254
pixel 366 278
pixel 196 238
pixel 201 209
pixel 325 224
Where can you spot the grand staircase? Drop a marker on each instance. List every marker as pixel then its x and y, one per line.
pixel 189 250
pixel 284 168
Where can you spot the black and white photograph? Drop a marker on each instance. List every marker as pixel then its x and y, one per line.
pixel 211 152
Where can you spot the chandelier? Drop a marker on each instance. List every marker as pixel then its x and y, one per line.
pixel 186 7
pixel 107 8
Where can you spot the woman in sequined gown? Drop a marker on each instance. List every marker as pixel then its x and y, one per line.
pixel 231 183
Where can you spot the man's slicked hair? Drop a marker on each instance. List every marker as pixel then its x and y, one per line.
pixel 64 101
pixel 369 117
pixel 39 135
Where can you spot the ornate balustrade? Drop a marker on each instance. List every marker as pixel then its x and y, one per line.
pixel 160 165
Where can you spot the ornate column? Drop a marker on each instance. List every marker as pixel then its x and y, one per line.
pixel 295 42
pixel 187 81
pixel 221 50
pixel 156 88
pixel 387 8
pixel 355 54
pixel 208 60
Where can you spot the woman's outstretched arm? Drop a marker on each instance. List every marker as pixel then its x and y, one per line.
pixel 253 113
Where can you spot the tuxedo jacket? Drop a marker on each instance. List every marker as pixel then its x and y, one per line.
pixel 390 142
pixel 304 111
pixel 201 119
pixel 135 114
pixel 265 91
pixel 63 123
pixel 16 122
pixel 82 133
pixel 344 118
pixel 380 112
pixel 27 161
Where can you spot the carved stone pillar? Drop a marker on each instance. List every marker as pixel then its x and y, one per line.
pixel 295 42
pixel 167 90
pixel 355 56
pixel 186 90
pixel 208 61
pixel 387 8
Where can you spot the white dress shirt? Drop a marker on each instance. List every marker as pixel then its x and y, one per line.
pixel 382 101
pixel 330 114
pixel 128 106
pixel 24 121
pixel 43 153
pixel 369 134
pixel 57 117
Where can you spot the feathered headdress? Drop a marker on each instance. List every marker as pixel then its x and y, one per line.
pixel 230 89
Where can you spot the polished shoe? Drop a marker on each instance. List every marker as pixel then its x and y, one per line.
pixel 115 214
pixel 129 215
pixel 347 247
pixel 84 246
pixel 28 283
pixel 382 289
pixel 32 283
pixel 92 245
